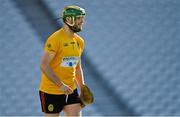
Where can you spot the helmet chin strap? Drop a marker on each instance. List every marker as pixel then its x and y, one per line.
pixel 72 27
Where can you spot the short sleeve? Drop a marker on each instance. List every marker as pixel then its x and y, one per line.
pixel 81 43
pixel 51 45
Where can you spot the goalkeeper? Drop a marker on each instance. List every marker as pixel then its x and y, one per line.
pixel 61 68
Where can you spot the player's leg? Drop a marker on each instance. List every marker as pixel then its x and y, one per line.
pixel 72 110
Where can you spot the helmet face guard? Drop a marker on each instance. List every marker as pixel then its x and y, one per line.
pixel 72 12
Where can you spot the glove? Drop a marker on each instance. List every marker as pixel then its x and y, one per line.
pixel 86 96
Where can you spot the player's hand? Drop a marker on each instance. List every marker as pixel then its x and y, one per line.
pixel 66 89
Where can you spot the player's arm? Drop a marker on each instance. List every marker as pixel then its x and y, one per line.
pixel 46 69
pixel 79 76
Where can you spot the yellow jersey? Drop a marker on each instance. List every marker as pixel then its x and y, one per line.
pixel 67 55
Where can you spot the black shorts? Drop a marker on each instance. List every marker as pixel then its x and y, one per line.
pixel 51 103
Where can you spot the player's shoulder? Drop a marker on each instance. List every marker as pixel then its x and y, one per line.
pixel 54 36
